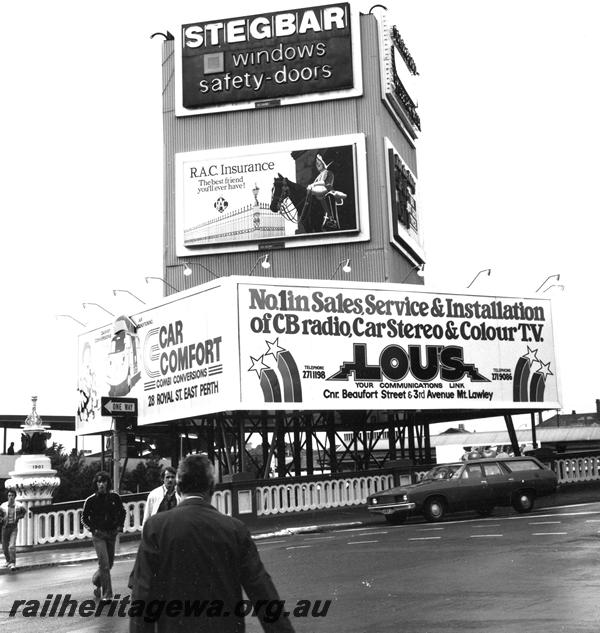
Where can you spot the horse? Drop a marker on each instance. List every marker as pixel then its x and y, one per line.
pixel 287 197
pixel 297 205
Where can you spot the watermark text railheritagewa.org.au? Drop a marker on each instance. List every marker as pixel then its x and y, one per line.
pixel 60 606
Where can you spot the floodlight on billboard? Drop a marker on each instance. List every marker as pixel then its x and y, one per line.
pixel 289 56
pixel 310 191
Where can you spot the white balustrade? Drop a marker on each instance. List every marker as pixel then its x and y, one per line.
pixel 318 495
pixel 577 469
pixel 221 500
pixel 65 525
pixel 60 526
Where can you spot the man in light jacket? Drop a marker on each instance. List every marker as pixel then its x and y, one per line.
pixel 164 497
pixel 11 512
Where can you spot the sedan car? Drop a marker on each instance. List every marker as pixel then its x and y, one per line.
pixel 477 485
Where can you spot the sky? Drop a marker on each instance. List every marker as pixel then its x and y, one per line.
pixel 507 163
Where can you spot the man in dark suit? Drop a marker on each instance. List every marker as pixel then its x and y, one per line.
pixel 193 562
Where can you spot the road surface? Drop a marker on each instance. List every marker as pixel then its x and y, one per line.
pixel 533 573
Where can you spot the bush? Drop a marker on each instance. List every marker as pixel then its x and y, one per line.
pixel 77 476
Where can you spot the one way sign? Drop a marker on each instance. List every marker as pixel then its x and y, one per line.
pixel 118 407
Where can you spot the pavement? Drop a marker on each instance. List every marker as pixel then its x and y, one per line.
pixel 269 527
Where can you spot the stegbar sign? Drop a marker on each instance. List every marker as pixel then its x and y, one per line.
pixel 242 344
pixel 285 56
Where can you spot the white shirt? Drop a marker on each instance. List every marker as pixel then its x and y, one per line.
pixel 12 513
pixel 153 501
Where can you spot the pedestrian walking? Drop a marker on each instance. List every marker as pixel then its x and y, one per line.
pixel 11 449
pixel 164 497
pixel 11 512
pixel 194 555
pixel 103 515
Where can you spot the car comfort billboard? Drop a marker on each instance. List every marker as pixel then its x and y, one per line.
pixel 309 191
pixel 178 359
pixel 265 59
pixel 241 343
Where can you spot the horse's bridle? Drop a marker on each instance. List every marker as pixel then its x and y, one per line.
pixel 282 206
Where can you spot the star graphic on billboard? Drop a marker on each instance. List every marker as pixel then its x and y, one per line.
pixel 531 356
pixel 257 365
pixel 274 348
pixel 544 369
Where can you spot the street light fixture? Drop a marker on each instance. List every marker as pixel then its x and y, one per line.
pixel 263 261
pixel 187 271
pixel 98 306
pixel 485 270
pixel 420 268
pixel 129 293
pixel 557 277
pixel 344 265
pixel 164 282
pixel 68 316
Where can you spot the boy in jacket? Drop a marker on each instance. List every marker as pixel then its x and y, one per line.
pixel 11 512
pixel 103 515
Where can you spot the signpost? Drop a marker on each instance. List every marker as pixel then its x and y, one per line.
pixel 117 408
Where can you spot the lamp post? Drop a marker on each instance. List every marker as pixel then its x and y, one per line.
pixel 164 282
pixel 557 277
pixel 187 271
pixel 344 265
pixel 263 261
pixel 485 270
pixel 68 316
pixel 420 268
pixel 98 306
pixel 129 293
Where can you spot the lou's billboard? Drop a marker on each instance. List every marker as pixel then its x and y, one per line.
pixel 355 346
pixel 266 58
pixel 241 343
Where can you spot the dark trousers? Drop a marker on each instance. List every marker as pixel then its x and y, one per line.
pixel 9 542
pixel 105 551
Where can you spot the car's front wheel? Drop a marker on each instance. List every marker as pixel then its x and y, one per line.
pixel 397 518
pixel 523 501
pixel 434 509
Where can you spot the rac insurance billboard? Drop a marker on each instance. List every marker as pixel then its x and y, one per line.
pixel 289 56
pixel 241 343
pixel 308 191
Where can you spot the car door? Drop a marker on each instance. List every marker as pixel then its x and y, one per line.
pixel 526 472
pixel 497 481
pixel 473 490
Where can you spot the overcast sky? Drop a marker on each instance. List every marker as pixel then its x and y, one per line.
pixel 509 105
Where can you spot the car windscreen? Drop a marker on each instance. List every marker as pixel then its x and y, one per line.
pixel 442 472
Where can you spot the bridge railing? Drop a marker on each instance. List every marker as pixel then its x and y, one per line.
pixel 299 496
pixel 577 468
pixel 61 522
